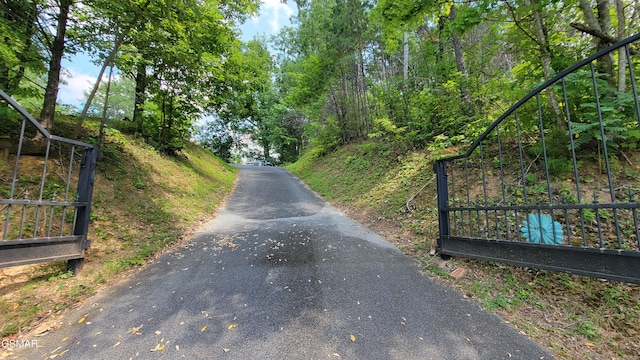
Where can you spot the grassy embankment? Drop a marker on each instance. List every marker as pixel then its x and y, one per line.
pixel 143 203
pixel 393 193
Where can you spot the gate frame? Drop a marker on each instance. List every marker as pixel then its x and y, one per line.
pixel 72 248
pixel 613 264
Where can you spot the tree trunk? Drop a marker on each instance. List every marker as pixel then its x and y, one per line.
pixel 14 83
pixel 53 80
pixel 365 105
pixel 265 145
pixel 601 25
pixel 405 64
pixel 605 25
pixel 104 109
pixel 622 54
pixel 141 86
pixel 460 66
pixel 545 60
pixel 96 86
pixel 109 60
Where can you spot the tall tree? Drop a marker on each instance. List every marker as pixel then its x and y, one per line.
pixel 19 51
pixel 53 78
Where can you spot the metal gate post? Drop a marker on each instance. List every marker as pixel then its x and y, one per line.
pixel 440 167
pixel 86 180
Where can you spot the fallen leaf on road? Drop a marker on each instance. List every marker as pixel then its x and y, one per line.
pixel 81 320
pixel 203 328
pixel 116 344
pixel 158 347
pixel 226 350
pixel 231 326
pixel 352 337
pixel 135 330
pixel 41 329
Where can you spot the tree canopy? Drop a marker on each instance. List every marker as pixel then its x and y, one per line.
pixel 405 72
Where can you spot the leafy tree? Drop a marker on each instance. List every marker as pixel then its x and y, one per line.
pixel 176 53
pixel 217 136
pixel 57 48
pixel 20 50
pixel 121 96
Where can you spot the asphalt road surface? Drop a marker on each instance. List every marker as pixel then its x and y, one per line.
pixel 280 274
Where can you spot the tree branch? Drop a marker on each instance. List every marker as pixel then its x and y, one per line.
pixel 594 32
pixel 515 20
pixel 600 35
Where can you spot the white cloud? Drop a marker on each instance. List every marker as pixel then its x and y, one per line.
pixel 272 17
pixel 276 12
pixel 74 86
pixel 75 83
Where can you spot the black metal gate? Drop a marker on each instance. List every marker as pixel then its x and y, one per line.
pixel 45 217
pixel 550 183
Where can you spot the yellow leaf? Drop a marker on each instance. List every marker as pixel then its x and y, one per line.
pixel 135 330
pixel 591 345
pixel 15 306
pixel 65 339
pixel 352 337
pixel 577 136
pixel 231 326
pixel 203 328
pixel 81 320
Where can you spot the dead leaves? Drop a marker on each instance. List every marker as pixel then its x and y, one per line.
pixel 135 330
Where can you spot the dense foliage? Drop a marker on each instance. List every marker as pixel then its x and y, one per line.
pixel 176 53
pixel 421 73
pixel 414 73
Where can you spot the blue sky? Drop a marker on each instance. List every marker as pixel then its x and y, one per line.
pixel 80 74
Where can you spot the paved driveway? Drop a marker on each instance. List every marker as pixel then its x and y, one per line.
pixel 282 275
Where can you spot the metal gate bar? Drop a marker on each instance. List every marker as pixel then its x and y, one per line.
pixel 508 199
pixel 45 219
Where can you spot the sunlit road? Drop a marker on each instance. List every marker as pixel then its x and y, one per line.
pixel 282 275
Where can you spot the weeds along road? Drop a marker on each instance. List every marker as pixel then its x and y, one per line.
pixel 282 275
